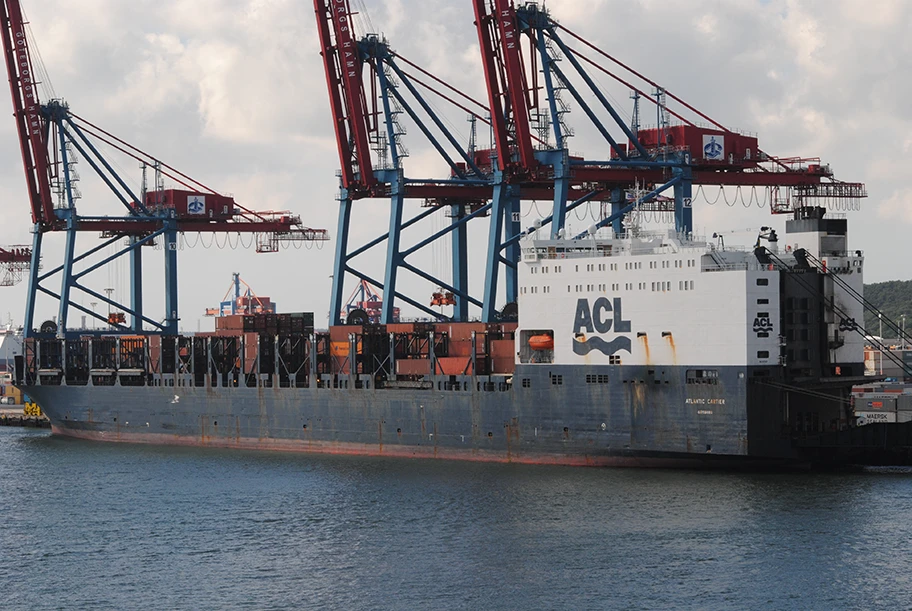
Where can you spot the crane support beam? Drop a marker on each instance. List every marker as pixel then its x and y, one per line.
pixel 67 277
pixel 29 322
pixel 495 242
pixel 620 213
pixel 341 259
pixel 436 119
pixel 546 62
pixel 393 255
pixel 683 196
pixel 460 247
pixel 134 201
pixel 598 93
pixel 171 313
pixel 136 292
pixel 588 197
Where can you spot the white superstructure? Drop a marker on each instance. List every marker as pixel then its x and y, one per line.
pixel 10 345
pixel 668 300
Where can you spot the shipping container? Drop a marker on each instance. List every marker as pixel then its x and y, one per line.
pixel 454 365
pixel 413 367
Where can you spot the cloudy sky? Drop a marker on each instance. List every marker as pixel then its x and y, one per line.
pixel 232 93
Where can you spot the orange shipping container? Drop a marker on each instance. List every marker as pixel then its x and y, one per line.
pixel 339 348
pixel 461 347
pixel 454 366
pixel 413 367
pixel 502 365
pixel 503 348
pixel 341 332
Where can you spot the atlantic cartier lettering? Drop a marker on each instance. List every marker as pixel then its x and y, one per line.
pixel 597 320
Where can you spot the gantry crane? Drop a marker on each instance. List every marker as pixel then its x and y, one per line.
pixel 370 87
pixel 520 45
pixel 523 54
pixel 50 138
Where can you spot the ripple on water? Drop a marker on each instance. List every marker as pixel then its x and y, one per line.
pixel 106 526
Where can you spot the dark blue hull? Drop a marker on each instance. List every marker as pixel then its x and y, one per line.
pixel 542 414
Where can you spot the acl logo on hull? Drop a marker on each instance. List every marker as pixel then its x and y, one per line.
pixel 596 320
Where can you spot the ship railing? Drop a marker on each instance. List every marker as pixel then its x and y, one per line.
pixel 619 249
pixel 730 267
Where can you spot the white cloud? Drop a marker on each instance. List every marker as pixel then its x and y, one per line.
pixel 898 207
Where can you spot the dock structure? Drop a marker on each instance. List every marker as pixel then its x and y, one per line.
pixel 18 417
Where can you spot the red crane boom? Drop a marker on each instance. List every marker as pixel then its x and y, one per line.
pixel 31 128
pixel 346 92
pixel 499 39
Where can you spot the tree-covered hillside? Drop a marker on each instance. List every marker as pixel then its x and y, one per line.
pixel 893 298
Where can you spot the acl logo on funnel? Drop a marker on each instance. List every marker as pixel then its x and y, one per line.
pixel 599 319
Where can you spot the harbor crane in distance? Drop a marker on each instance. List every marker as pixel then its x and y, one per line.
pixel 51 140
pixel 14 262
pixel 246 303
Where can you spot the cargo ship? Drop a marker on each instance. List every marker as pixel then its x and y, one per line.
pixel 612 347
pixel 647 349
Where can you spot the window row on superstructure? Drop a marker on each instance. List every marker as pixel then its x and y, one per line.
pixel 664 286
pixel 613 267
pixel 533 290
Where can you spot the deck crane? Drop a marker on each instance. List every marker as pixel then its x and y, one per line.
pixel 50 138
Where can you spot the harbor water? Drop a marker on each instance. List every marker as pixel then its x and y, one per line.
pixel 109 526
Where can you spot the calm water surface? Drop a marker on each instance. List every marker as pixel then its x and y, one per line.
pixel 105 526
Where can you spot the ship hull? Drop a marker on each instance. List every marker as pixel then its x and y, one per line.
pixel 572 415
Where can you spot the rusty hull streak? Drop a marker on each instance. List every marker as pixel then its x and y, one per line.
pixel 674 349
pixel 357 449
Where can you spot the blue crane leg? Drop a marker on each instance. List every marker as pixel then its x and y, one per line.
pixel 136 297
pixel 460 241
pixel 617 202
pixel 683 195
pixel 33 282
pixel 341 261
pixel 171 320
pixel 512 251
pixel 393 256
pixel 66 281
pixel 495 238
pixel 560 161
